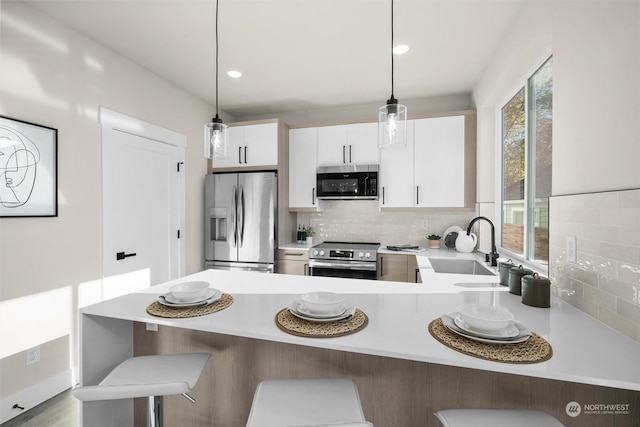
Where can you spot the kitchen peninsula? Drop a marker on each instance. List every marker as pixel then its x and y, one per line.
pixel 403 373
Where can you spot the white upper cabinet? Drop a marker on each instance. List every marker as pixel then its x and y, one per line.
pixel 396 189
pixel 439 147
pixel 348 144
pixel 250 146
pixel 332 145
pixel 363 143
pixel 434 171
pixel 303 145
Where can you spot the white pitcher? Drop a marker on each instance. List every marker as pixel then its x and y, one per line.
pixel 466 242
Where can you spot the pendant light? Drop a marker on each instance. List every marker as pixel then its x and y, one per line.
pixel 216 133
pixel 392 117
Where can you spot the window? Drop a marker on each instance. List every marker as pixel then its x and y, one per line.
pixel 526 168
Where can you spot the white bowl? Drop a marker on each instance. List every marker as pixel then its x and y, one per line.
pixel 189 291
pixel 485 317
pixel 322 302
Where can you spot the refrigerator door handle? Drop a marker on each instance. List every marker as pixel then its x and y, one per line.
pixel 243 212
pixel 234 202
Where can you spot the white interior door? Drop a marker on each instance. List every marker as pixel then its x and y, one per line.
pixel 143 206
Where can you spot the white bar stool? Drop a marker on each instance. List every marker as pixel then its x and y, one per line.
pixel 148 376
pixel 306 402
pixel 496 418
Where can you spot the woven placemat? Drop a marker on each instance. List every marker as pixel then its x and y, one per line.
pixel 160 310
pixel 303 328
pixel 534 350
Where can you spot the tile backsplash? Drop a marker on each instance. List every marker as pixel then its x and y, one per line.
pixel 361 220
pixel 604 281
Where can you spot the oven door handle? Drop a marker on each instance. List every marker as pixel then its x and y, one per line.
pixel 351 265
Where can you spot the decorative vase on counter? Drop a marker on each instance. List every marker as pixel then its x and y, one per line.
pixel 309 241
pixel 466 242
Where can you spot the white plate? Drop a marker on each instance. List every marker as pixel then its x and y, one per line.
pixel 212 295
pixel 347 313
pixel 510 331
pixel 524 333
pixel 302 309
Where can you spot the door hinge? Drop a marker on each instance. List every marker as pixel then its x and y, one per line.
pixel 180 163
pixel 178 234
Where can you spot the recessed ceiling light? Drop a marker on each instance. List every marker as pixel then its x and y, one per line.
pixel 400 49
pixel 234 73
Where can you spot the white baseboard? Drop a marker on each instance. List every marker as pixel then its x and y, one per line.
pixel 35 395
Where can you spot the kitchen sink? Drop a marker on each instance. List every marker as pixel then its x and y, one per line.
pixel 459 266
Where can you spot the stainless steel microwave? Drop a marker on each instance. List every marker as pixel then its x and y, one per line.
pixel 347 182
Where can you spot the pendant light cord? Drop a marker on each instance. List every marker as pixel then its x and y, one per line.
pixel 391 49
pixel 217 1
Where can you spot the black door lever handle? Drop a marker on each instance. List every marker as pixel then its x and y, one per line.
pixel 122 255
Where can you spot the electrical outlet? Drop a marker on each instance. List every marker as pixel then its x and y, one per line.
pixel 425 223
pixel 572 249
pixel 33 355
pixel 312 223
pixel 152 327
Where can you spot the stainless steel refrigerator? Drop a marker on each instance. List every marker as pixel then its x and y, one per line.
pixel 241 221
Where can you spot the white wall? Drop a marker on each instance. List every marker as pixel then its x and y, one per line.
pixel 596 137
pixel 596 145
pixel 53 76
pixel 596 103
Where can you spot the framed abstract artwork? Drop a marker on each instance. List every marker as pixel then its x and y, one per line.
pixel 28 169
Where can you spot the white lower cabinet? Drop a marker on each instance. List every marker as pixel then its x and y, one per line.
pixel 302 167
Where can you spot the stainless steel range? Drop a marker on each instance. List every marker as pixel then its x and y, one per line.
pixel 354 260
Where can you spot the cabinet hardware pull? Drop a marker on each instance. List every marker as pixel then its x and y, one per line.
pixel 292 254
pixel 240 155
pixel 417 195
pixel 349 153
pixel 313 196
pixel 245 154
pixel 121 255
pixel 344 156
pixel 381 266
pixel 383 195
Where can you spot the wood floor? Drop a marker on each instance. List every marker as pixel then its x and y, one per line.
pixel 59 411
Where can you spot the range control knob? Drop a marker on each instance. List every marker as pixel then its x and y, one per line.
pixel 315 252
pixel 321 253
pixel 368 255
pixel 360 255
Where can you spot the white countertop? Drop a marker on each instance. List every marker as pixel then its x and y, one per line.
pixel 399 314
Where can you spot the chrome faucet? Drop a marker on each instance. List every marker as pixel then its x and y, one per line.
pixel 494 251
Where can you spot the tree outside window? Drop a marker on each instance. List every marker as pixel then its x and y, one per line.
pixel 526 167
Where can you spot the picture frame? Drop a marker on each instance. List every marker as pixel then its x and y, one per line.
pixel 28 169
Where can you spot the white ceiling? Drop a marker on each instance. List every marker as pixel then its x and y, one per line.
pixel 298 54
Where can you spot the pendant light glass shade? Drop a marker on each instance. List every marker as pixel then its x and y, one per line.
pixel 216 139
pixel 392 117
pixel 392 125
